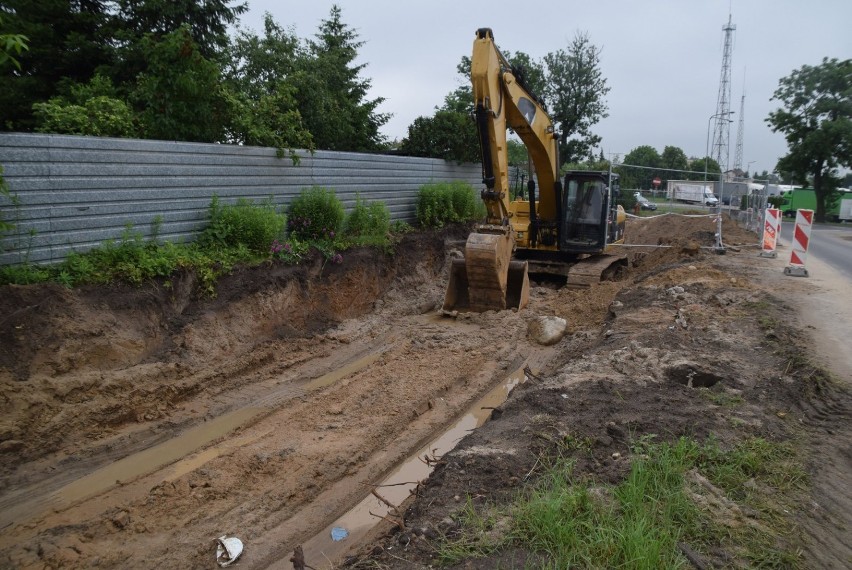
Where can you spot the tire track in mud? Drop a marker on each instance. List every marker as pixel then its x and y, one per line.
pixel 65 490
pixel 410 375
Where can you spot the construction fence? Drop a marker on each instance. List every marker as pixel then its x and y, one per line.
pixel 70 193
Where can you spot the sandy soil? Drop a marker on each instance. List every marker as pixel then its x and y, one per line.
pixel 140 424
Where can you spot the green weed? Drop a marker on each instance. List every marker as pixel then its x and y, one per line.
pixel 445 202
pixel 368 224
pixel 639 523
pixel 722 398
pixel 316 214
pixel 245 223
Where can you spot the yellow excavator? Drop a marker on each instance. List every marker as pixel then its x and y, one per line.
pixel 566 228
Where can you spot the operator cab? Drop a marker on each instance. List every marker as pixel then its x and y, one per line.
pixel 588 203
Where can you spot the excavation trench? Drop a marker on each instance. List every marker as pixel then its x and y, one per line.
pixel 398 486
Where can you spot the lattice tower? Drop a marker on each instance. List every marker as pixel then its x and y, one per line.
pixel 721 132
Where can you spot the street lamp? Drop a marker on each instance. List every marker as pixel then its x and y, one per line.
pixel 748 169
pixel 719 247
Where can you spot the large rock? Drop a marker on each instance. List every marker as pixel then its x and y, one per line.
pixel 547 330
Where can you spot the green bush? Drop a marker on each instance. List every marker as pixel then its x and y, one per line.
pixel 444 202
pixel 254 226
pixel 368 222
pixel 316 214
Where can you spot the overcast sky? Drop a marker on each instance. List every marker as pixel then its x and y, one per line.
pixel 662 58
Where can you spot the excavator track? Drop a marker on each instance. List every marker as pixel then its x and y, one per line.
pixel 589 271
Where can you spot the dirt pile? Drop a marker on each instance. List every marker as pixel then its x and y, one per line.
pixel 663 228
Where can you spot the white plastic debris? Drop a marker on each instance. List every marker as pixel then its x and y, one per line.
pixel 228 549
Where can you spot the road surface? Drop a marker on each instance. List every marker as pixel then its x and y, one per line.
pixel 831 244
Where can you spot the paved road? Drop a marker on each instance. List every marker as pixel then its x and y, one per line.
pixel 830 244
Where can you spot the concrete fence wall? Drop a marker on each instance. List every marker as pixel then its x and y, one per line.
pixel 74 192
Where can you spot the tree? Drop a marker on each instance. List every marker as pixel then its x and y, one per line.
pixel 674 158
pixel 179 95
pixel 460 100
pixel 206 21
pixel 332 97
pixel 264 108
pixel 816 120
pixel 697 167
pixel 449 135
pixel 66 42
pixel 11 45
pixel 93 108
pixel 575 94
pixel 644 156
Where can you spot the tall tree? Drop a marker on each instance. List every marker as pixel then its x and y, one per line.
pixel 449 135
pixel 645 157
pixel 332 95
pixel 179 95
pixel 67 43
pixel 264 109
pixel 575 94
pixel 673 159
pixel 816 120
pixel 206 21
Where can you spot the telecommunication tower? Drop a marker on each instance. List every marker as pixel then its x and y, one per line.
pixel 721 132
pixel 738 155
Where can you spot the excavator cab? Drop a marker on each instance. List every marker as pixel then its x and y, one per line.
pixel 591 219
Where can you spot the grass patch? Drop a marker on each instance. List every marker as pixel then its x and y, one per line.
pixel 245 233
pixel 567 521
pixel 134 260
pixel 722 398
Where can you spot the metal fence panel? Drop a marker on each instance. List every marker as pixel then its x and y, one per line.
pixel 73 192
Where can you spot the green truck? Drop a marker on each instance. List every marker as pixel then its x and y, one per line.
pixel 805 199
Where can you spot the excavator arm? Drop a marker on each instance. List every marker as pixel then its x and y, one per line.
pixel 502 101
pixel 488 278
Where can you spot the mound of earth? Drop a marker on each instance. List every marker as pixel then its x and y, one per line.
pixel 139 424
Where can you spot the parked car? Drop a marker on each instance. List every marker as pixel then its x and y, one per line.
pixel 644 203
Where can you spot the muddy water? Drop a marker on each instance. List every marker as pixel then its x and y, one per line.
pixel 322 552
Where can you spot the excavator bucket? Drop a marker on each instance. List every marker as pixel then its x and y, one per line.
pixel 487 279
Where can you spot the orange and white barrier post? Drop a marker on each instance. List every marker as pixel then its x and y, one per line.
pixel 801 238
pixel 770 232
